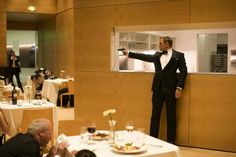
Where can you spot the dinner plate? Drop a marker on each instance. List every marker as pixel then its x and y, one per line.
pixel 98 137
pixel 141 150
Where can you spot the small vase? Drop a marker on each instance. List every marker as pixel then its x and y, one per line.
pixel 112 124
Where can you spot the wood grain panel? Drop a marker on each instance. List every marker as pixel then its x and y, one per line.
pixel 95 3
pixel 213 10
pixel 154 13
pixel 213 111
pixel 47 40
pixel 3 55
pixel 42 6
pixel 65 41
pixel 64 5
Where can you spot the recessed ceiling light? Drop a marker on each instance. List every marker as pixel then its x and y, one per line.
pixel 31 8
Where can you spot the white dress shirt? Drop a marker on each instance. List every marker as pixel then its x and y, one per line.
pixel 166 58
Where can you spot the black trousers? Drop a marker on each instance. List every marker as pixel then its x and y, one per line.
pixel 17 75
pixel 158 99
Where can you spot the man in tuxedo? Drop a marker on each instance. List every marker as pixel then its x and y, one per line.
pixel 166 85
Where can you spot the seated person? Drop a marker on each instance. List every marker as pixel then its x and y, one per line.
pixel 85 153
pixel 29 144
pixel 4 127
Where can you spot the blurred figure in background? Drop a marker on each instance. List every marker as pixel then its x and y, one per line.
pixel 14 69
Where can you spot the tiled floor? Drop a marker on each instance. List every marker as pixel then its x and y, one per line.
pixel 68 114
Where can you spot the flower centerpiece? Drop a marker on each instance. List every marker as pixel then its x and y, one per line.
pixel 112 122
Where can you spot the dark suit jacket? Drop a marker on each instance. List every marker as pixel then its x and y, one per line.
pixel 16 63
pixel 21 145
pixel 166 79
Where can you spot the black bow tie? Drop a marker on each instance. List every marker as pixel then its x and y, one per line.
pixel 164 52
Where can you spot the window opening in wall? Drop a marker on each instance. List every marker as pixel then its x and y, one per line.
pixel 205 50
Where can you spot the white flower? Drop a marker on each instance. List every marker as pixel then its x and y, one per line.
pixel 109 112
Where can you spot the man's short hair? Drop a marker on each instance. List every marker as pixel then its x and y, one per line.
pixel 38 125
pixel 167 39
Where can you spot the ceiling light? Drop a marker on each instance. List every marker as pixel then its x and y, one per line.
pixel 31 8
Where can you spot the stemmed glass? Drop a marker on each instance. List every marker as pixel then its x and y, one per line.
pixel 129 126
pixel 91 130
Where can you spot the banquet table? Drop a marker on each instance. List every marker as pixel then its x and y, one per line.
pixel 14 113
pixel 152 147
pixel 51 87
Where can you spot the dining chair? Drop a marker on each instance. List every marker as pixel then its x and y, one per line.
pixel 72 127
pixel 30 114
pixel 70 85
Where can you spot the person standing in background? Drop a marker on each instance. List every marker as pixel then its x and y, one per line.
pixel 166 85
pixel 14 69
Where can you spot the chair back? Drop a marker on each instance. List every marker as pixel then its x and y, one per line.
pixel 69 84
pixel 72 127
pixel 30 114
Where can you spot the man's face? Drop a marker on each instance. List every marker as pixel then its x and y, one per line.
pixel 163 46
pixel 45 136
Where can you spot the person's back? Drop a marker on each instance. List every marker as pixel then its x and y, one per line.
pixel 20 146
pixel 85 153
pixel 28 145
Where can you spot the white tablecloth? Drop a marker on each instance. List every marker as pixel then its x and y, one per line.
pixel 14 113
pixel 154 147
pixel 51 88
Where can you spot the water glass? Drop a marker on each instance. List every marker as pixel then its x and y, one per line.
pixel 83 134
pixel 129 126
pixel 140 136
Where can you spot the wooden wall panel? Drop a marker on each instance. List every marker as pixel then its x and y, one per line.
pixel 213 10
pixel 3 54
pixel 213 112
pixel 64 5
pixel 42 6
pixel 94 43
pixel 95 3
pixel 154 13
pixel 65 41
pixel 114 90
pixel 47 38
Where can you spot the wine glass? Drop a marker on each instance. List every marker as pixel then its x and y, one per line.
pixel 91 129
pixel 129 126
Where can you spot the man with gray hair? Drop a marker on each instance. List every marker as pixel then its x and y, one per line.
pixel 28 144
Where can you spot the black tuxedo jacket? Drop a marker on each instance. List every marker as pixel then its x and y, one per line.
pixel 21 145
pixel 166 79
pixel 16 63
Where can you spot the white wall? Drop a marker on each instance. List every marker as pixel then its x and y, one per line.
pixel 186 42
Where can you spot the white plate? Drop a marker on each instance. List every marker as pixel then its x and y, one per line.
pixel 141 150
pixel 99 138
